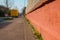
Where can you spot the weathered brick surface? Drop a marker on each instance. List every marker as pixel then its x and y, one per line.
pixel 47 20
pixel 32 4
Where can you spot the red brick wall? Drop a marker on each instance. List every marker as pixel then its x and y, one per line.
pixel 47 20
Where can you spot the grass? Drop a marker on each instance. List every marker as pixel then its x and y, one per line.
pixel 35 32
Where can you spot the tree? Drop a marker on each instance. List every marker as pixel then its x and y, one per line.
pixel 9 3
pixel 24 10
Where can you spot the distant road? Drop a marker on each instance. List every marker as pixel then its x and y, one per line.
pixel 3 23
pixel 2 19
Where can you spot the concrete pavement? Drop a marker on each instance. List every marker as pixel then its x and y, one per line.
pixel 17 30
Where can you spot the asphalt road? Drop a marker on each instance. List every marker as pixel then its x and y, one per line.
pixel 4 24
pixel 1 19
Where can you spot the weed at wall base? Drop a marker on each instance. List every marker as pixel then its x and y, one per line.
pixel 35 32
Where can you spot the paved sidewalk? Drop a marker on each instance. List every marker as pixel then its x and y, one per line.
pixel 17 30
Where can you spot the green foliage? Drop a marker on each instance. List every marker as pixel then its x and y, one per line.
pixel 36 33
pixel 8 12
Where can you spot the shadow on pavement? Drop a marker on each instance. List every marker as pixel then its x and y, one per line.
pixel 3 25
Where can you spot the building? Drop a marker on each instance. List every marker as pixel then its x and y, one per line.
pixel 3 10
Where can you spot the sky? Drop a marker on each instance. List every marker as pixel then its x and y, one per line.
pixel 16 4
